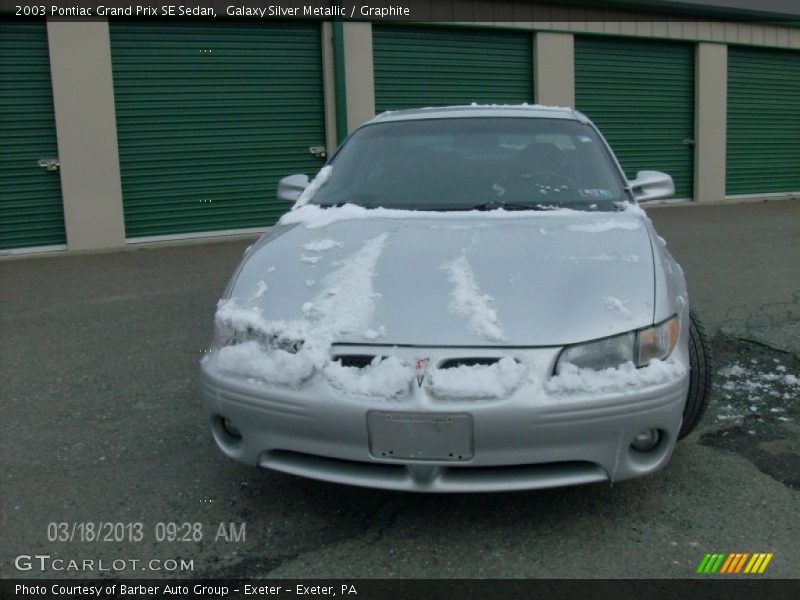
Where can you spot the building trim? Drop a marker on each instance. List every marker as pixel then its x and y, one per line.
pixel 32 250
pixel 710 121
pixel 554 68
pixel 770 196
pixel 83 97
pixel 86 127
pixel 196 234
pixel 340 78
pixel 642 25
pixel 359 73
pixel 329 87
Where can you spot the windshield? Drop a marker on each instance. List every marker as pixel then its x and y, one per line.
pixel 475 163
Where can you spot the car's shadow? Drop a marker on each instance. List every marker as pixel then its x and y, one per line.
pixel 291 516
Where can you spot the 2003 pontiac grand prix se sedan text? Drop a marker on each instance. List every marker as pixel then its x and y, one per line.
pixel 463 299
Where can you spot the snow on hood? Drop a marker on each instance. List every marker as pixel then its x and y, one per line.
pixel 467 301
pixel 494 278
pixel 314 216
pixel 344 305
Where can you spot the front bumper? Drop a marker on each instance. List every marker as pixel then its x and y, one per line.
pixel 528 440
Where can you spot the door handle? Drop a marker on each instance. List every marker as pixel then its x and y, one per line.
pixel 51 164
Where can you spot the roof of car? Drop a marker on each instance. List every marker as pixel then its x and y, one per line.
pixel 480 110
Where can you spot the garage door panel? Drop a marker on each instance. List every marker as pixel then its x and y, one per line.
pixel 641 96
pixel 763 153
pixel 210 117
pixel 439 66
pixel 31 207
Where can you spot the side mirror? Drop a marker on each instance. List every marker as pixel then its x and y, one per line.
pixel 290 188
pixel 652 185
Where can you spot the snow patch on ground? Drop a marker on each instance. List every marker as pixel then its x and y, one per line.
pixel 322 244
pixel 388 377
pixel 573 379
pixel 734 370
pixel 311 260
pixel 467 301
pixel 311 191
pixel 477 381
pixel 345 304
pixel 760 388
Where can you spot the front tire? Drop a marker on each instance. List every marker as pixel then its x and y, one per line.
pixel 699 376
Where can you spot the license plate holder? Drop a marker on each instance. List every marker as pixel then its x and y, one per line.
pixel 420 436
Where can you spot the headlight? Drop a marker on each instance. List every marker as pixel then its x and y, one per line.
pixel 657 341
pixel 225 335
pixel 638 347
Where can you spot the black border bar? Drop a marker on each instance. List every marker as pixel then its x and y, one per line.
pixel 776 11
pixel 710 588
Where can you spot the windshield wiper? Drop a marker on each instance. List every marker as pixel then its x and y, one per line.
pixel 495 204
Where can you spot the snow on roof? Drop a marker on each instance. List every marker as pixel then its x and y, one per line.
pixel 480 110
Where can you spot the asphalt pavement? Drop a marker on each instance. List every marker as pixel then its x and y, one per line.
pixel 101 424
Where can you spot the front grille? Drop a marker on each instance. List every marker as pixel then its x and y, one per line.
pixel 471 361
pixel 359 361
pixel 424 476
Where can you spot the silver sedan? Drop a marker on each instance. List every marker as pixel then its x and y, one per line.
pixel 463 299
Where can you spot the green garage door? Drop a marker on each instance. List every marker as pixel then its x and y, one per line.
pixel 641 96
pixel 763 121
pixel 209 117
pixel 440 66
pixel 31 209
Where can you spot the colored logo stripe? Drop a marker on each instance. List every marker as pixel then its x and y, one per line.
pixel 710 563
pixel 734 562
pixel 758 563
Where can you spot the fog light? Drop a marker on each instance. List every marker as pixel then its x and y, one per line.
pixel 646 440
pixel 231 429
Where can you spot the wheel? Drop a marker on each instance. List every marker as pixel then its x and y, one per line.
pixel 699 376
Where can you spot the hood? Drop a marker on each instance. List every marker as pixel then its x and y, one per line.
pixel 531 279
